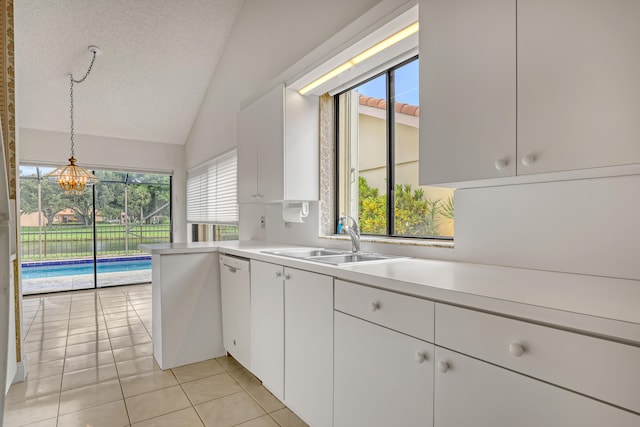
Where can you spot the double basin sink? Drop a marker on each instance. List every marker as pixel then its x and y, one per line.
pixel 332 256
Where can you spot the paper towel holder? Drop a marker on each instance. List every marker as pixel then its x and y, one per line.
pixel 303 206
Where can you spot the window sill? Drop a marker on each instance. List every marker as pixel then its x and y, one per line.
pixel 445 244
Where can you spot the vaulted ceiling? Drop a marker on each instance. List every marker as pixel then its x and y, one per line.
pixel 158 57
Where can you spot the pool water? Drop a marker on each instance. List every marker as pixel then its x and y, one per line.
pixel 70 268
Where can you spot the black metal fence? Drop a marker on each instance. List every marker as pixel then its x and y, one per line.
pixel 77 241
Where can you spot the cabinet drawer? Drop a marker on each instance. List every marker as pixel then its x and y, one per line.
pixel 409 315
pixel 599 368
pixel 469 392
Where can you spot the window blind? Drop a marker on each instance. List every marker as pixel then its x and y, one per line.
pixel 212 191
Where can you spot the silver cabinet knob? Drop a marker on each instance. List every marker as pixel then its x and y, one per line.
pixel 501 164
pixel 516 349
pixel 529 159
pixel 287 276
pixel 422 356
pixel 443 367
pixel 374 306
pixel 278 273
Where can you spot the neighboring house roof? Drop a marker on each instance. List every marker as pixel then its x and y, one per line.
pixel 410 110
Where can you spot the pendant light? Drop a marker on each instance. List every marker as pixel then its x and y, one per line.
pixel 73 179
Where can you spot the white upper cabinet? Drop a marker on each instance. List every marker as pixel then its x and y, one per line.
pixel 547 86
pixel 578 84
pixel 467 90
pixel 278 148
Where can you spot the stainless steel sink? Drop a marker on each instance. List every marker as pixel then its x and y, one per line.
pixel 332 256
pixel 354 258
pixel 305 253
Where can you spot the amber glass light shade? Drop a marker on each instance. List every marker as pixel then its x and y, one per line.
pixel 71 178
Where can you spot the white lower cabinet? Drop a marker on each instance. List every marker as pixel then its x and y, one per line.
pixel 382 377
pixel 267 325
pixel 470 392
pixel 308 354
pixel 349 355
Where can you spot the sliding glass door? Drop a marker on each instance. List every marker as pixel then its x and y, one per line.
pixel 134 208
pixel 88 241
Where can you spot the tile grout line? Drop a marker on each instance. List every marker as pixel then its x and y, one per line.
pixel 251 395
pixel 193 406
pixel 124 401
pixel 64 361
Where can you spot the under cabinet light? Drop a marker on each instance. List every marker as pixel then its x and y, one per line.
pixel 377 48
pixel 331 74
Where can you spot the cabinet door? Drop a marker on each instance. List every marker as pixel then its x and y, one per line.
pixel 267 325
pixel 473 393
pixel 578 91
pixel 248 138
pixel 382 377
pixel 236 313
pixel 308 354
pixel 269 124
pixel 467 90
pixel 301 146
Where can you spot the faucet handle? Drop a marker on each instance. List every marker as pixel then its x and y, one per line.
pixel 353 220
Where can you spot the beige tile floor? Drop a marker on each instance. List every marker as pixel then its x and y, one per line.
pixel 91 363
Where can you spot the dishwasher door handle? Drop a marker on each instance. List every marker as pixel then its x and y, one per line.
pixel 234 264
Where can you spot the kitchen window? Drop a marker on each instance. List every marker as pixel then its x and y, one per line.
pixel 212 202
pixel 377 125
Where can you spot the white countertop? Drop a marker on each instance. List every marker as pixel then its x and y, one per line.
pixel 599 305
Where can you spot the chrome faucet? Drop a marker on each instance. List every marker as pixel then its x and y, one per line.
pixel 353 230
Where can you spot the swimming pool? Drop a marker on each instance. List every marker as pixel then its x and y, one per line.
pixel 44 269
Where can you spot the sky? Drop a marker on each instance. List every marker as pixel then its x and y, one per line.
pixel 406 85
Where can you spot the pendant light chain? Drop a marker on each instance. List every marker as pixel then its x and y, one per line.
pixel 71 96
pixel 72 178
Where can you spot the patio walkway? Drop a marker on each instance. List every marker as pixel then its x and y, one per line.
pixel 84 281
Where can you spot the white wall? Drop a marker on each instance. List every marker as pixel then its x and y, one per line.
pixel 585 226
pixel 52 148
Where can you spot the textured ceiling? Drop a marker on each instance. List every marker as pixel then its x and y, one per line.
pixel 158 57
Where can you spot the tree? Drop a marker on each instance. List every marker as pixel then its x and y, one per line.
pixel 372 209
pixel 82 206
pixel 415 214
pixel 110 200
pixel 139 200
pixel 146 194
pixel 52 199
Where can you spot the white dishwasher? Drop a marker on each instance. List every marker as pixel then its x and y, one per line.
pixel 235 282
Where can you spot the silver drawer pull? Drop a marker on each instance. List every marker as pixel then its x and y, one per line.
pixel 443 367
pixel 375 306
pixel 278 273
pixel 516 349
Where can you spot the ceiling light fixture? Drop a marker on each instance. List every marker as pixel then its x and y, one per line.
pixel 73 179
pixel 377 48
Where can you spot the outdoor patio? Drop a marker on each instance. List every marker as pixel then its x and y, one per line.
pixel 84 281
